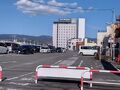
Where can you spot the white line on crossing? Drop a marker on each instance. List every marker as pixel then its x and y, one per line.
pixel 80 63
pixel 68 61
pixel 96 82
pixel 20 76
pixel 9 62
pixel 57 62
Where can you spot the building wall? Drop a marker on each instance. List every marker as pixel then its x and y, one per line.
pixel 100 37
pixel 73 44
pixel 111 30
pixel 54 38
pixel 66 32
pixel 92 43
pixel 81 28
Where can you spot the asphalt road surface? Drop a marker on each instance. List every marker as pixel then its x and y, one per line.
pixel 18 72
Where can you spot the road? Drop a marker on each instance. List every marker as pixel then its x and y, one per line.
pixel 18 72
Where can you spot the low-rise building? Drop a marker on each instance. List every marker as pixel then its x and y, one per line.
pixel 73 44
pixel 100 38
pixel 89 42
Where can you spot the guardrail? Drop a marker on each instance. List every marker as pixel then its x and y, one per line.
pixel 69 72
pixel 1 73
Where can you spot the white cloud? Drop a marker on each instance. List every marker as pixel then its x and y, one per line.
pixel 55 3
pixel 59 4
pixel 39 1
pixel 34 7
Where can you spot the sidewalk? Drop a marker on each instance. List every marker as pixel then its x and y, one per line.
pixel 115 64
pixel 109 64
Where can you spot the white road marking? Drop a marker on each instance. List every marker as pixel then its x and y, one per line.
pixel 20 76
pixel 73 58
pixel 80 63
pixel 113 80
pixel 16 66
pixel 23 64
pixel 1 88
pixel 10 89
pixel 9 62
pixel 69 61
pixel 95 82
pixel 27 79
pixel 57 62
pixel 21 84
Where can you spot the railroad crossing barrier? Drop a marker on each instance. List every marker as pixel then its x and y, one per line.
pixel 95 71
pixel 1 73
pixel 64 72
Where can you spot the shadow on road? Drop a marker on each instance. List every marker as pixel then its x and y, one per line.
pixel 77 82
pixel 108 66
pixel 60 80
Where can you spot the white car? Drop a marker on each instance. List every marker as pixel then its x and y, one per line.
pixel 3 50
pixel 87 50
pixel 45 50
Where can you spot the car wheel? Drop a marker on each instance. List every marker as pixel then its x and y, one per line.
pixel 81 53
pixel 95 54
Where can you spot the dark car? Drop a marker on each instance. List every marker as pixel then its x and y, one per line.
pixel 26 49
pixel 35 48
pixel 52 49
pixel 59 50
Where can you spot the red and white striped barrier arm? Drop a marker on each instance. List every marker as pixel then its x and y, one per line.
pixel 1 73
pixel 97 71
pixel 60 66
pixel 105 71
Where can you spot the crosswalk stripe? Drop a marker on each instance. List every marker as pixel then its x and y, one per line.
pixel 67 62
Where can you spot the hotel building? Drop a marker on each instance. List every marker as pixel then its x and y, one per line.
pixel 66 29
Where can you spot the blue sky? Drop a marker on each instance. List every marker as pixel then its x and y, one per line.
pixel 35 17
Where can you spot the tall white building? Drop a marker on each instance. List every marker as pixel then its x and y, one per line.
pixel 81 28
pixel 65 29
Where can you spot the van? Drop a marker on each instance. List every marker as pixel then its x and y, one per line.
pixel 87 50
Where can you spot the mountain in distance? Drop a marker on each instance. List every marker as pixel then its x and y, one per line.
pixel 43 39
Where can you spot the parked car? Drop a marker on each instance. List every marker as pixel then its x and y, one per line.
pixel 25 49
pixel 36 48
pixel 59 50
pixel 3 50
pixel 87 50
pixel 52 48
pixel 12 47
pixel 64 49
pixel 45 50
